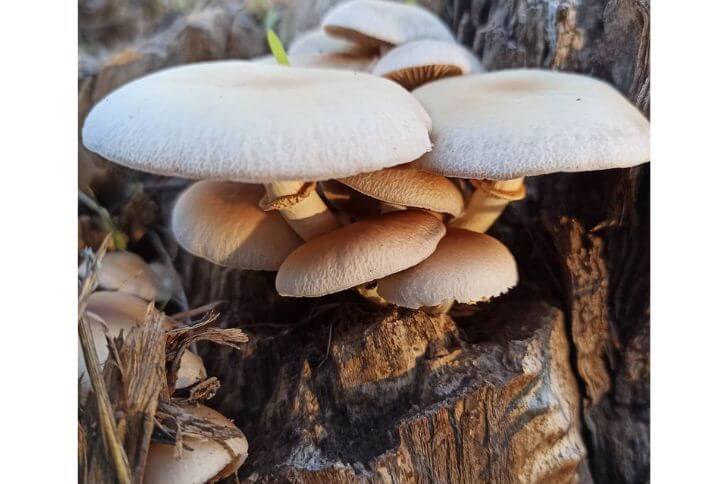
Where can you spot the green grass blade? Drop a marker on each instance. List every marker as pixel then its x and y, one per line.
pixel 276 48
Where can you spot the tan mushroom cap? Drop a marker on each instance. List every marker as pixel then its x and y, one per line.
pixel 525 122
pixel 222 222
pixel 417 63
pixel 316 42
pixel 467 267
pixel 127 272
pixel 410 187
pixel 380 23
pixel 359 253
pixel 257 123
pixel 207 461
pixel 117 312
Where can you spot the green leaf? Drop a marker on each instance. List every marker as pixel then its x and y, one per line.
pixel 276 48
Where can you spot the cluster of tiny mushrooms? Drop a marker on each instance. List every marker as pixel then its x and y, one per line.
pixel 375 158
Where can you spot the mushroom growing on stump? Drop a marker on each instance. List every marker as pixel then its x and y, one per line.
pixel 221 222
pixel 257 123
pixel 116 312
pixel 405 186
pixel 202 459
pixel 416 63
pixel 383 24
pixel 359 253
pixel 466 267
pixel 500 127
pixel 127 272
pixel 316 49
pixel 316 42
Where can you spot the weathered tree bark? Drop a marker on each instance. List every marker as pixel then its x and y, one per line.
pixel 547 384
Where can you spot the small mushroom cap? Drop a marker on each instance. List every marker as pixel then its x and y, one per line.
pixel 127 272
pixel 222 222
pixel 316 42
pixel 358 253
pixel 467 267
pixel 423 61
pixel 253 122
pixel 525 122
pixel 380 23
pixel 117 312
pixel 208 461
pixel 410 187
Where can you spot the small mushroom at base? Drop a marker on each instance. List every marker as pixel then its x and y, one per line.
pixel 207 460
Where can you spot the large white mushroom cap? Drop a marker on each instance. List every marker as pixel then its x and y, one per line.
pixel 247 121
pixel 376 22
pixel 525 122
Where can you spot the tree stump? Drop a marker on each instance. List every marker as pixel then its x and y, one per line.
pixel 549 383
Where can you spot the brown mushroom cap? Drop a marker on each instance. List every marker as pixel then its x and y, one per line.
pixel 410 187
pixel 358 253
pixel 423 61
pixel 208 460
pixel 117 312
pixel 222 222
pixel 467 267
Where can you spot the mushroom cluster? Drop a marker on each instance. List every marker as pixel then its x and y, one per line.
pixel 350 168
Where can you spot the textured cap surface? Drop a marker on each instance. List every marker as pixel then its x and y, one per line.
pixel 526 122
pixel 253 122
pixel 116 312
pixel 221 222
pixel 316 42
pixel 208 460
pixel 467 267
pixel 358 253
pixel 417 63
pixel 376 22
pixel 410 187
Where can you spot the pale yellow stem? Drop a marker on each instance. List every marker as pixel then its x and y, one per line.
pixel 309 216
pixel 441 308
pixel 487 204
pixel 370 293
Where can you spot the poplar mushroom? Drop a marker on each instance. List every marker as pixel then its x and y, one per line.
pixel 221 222
pixel 378 23
pixel 113 312
pixel 405 186
pixel 500 127
pixel 251 122
pixel 467 267
pixel 423 61
pixel 127 272
pixel 203 458
pixel 316 42
pixel 359 253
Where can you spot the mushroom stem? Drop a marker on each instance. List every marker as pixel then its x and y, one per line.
pixel 369 292
pixel 441 308
pixel 487 203
pixel 301 206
